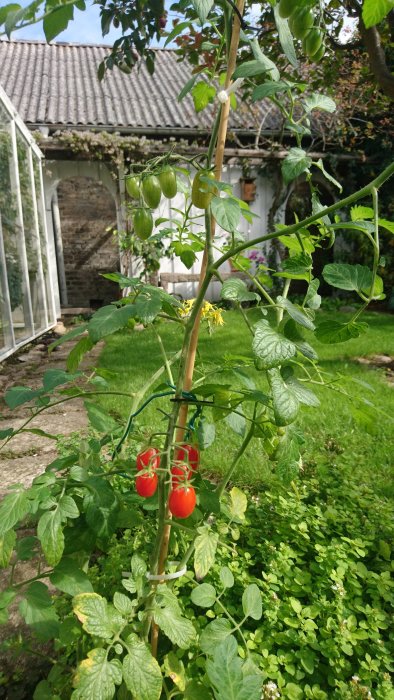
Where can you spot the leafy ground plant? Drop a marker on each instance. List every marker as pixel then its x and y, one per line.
pixel 108 643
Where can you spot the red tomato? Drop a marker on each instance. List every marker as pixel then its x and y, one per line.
pixel 180 473
pixel 146 485
pixel 182 501
pixel 148 458
pixel 190 454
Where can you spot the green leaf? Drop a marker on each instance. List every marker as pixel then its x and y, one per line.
pixel 308 660
pixel 187 87
pixel 123 604
pixel 141 672
pixel 302 393
pixel 101 507
pixel 296 267
pixel 226 677
pixel 312 299
pixel 77 353
pixel 268 89
pixel 297 314
pixel 148 304
pixel 226 577
pixel 99 419
pixel 359 212
pixel 13 509
pixel 213 634
pixel 335 332
pixel 74 333
pixel 284 401
pixel 374 11
pixel 294 692
pixel 288 458
pixel 176 31
pixel 319 164
pixel 205 547
pixel 69 578
pixel 57 21
pixel 226 212
pixel 356 278
pixel 291 331
pixel 7 9
pixel 271 348
pixel 251 68
pixel 320 102
pixel 175 670
pixel 7 432
pixel 93 612
pixel 238 504
pixel 236 422
pixel 295 163
pixel 50 534
pixel 235 289
pixel 18 395
pixel 251 602
pixel 107 320
pixel 7 543
pixel 202 8
pixel 203 94
pixel 96 677
pixel 203 595
pixel 178 629
pixel 53 378
pixel 205 433
pixel 38 611
pixel 285 37
pixel 270 67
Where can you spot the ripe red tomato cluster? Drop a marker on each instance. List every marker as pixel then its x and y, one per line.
pixel 182 498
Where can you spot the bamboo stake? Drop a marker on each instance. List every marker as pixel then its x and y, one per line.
pixel 191 359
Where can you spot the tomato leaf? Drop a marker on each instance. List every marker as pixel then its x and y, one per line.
pixel 251 602
pixel 271 348
pixel 203 595
pixel 226 677
pixel 96 677
pixel 141 672
pixel 284 401
pixel 69 578
pixel 13 509
pixel 206 544
pixel 295 163
pixel 235 289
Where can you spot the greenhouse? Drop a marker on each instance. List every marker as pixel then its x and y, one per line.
pixel 27 306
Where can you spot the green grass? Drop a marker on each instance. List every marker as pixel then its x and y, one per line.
pixel 333 437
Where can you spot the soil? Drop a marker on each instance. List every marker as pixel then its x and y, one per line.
pixel 385 362
pixel 27 455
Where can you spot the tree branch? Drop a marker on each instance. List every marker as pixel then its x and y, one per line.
pixel 377 59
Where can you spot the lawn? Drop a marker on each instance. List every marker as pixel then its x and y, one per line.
pixel 333 435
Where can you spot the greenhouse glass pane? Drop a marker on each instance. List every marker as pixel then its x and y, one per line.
pixel 43 241
pixel 32 241
pixel 12 234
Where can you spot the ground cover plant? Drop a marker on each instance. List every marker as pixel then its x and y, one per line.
pixel 175 582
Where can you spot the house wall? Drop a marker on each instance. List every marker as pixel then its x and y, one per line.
pixel 82 200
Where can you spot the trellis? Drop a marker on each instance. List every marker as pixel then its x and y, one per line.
pixel 27 307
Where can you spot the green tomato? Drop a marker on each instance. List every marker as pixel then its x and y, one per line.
pixel 301 22
pixel 202 192
pixel 312 42
pixel 317 57
pixel 151 191
pixel 143 223
pixel 286 7
pixel 167 179
pixel 132 186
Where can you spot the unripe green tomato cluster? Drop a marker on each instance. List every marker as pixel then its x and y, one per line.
pixel 301 23
pixel 148 189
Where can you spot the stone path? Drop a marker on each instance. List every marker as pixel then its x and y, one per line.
pixel 27 455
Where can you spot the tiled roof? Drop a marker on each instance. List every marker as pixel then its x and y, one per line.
pixel 56 85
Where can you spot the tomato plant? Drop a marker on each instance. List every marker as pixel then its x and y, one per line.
pixel 182 501
pixel 82 506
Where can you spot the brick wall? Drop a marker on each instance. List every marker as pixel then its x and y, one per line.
pixel 86 209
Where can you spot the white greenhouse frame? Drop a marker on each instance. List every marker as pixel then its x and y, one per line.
pixel 27 299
